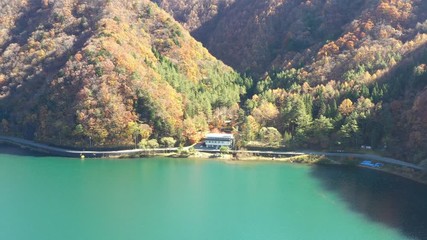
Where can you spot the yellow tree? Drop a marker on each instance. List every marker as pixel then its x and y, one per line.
pixel 266 113
pixel 190 131
pixel 250 128
pixel 346 107
pixel 138 130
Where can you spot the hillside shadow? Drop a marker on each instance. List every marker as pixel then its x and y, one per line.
pixel 204 32
pixel 10 149
pixel 402 85
pixel 383 198
pixel 291 29
pixel 401 77
pixel 26 24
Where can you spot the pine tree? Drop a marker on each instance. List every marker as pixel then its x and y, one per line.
pixel 322 109
pixel 365 91
pixel 333 109
pixel 349 132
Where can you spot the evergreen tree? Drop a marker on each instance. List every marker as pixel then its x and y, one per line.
pixel 333 109
pixel 365 91
pixel 320 131
pixel 322 109
pixel 296 118
pixel 349 132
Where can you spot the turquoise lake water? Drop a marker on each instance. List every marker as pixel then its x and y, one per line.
pixel 45 197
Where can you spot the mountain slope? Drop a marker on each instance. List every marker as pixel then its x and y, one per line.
pixel 105 73
pixel 332 74
pixel 194 14
pixel 258 36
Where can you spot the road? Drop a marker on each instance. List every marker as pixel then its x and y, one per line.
pixel 371 157
pixel 73 153
pixel 366 157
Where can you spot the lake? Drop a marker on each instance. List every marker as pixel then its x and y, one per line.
pixel 44 197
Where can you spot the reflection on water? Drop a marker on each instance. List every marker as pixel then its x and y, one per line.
pixel 10 149
pixel 381 197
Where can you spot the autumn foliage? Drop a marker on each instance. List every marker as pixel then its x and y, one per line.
pixel 106 73
pixel 327 74
pixel 330 74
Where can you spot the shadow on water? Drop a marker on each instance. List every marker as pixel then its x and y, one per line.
pixel 394 201
pixel 17 151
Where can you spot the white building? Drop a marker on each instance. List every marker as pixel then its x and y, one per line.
pixel 217 140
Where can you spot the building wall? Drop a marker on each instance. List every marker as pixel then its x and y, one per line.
pixel 218 144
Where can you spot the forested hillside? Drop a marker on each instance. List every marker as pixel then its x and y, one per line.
pixel 257 36
pixel 194 14
pixel 331 74
pixel 328 74
pixel 106 73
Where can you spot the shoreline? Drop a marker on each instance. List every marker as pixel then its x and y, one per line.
pixel 312 160
pixel 390 166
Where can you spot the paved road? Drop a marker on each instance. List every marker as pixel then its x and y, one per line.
pixel 371 157
pixel 66 152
